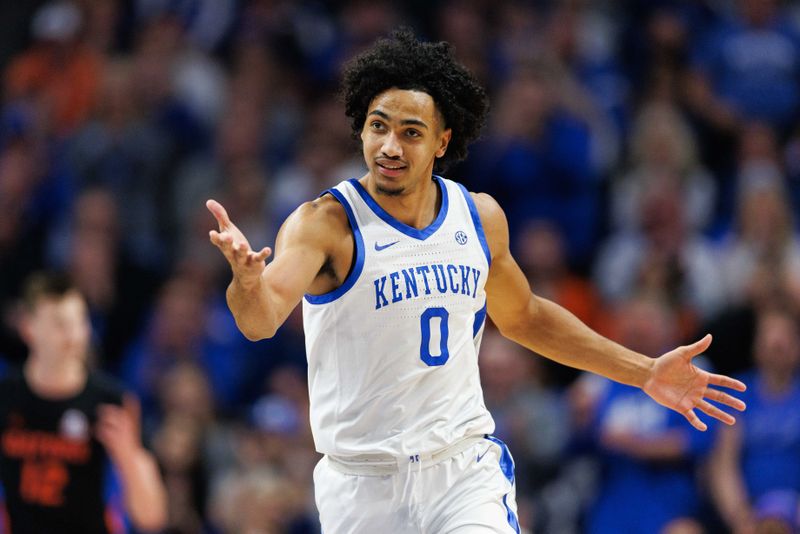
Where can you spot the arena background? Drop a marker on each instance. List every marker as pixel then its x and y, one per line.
pixel 647 154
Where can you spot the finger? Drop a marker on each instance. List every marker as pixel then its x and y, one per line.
pixel 107 424
pixel 255 258
pixel 241 252
pixel 107 431
pixel 262 255
pixel 694 420
pixel 709 409
pixel 103 434
pixel 726 382
pixel 219 213
pixel 109 437
pixel 108 410
pixel 223 240
pixel 132 407
pixel 723 398
pixel 698 347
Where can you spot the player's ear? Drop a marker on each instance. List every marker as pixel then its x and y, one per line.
pixel 447 134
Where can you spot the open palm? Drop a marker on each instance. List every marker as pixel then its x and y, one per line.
pixel 247 265
pixel 680 385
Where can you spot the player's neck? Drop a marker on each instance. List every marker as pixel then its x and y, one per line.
pixel 417 208
pixel 55 380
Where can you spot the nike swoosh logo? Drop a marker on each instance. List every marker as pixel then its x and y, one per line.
pixel 480 456
pixel 387 245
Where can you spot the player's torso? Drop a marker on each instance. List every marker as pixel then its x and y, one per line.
pixel 50 465
pixel 393 352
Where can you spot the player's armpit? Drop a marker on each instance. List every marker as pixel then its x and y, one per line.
pixel 508 293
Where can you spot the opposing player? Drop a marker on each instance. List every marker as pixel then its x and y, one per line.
pixel 396 271
pixel 61 423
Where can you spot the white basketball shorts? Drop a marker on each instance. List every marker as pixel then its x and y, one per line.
pixel 466 489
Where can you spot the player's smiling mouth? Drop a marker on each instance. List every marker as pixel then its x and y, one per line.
pixel 390 168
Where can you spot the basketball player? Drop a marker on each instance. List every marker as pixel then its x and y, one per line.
pixel 60 424
pixel 397 271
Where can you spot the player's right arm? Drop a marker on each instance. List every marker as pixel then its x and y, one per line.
pixel 261 296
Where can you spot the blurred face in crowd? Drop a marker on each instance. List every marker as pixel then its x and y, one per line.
pixel 541 249
pixel 776 344
pixel 646 325
pixel 765 218
pixel 525 103
pixel 58 327
pixel 402 136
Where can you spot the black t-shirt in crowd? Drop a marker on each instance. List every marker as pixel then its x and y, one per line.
pixel 52 469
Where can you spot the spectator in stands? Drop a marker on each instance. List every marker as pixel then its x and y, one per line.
pixel 748 68
pixel 648 454
pixel 663 148
pixel 538 160
pixel 662 256
pixel 757 461
pixel 764 232
pixel 178 331
pixel 88 245
pixel 529 414
pixel 60 75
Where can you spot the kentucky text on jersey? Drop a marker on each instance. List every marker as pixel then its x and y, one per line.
pixel 424 279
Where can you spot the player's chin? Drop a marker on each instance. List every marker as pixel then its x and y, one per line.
pixel 388 185
pixel 389 190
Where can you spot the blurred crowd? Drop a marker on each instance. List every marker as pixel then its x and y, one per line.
pixel 647 154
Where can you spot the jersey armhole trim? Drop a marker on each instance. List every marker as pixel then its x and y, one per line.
pixel 476 220
pixel 355 272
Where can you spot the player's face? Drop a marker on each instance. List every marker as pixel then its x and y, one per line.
pixel 402 136
pixel 59 327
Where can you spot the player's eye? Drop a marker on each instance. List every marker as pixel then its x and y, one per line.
pixel 413 133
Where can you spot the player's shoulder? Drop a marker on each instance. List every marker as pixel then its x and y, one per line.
pixel 320 217
pixel 324 207
pixel 484 202
pixel 492 216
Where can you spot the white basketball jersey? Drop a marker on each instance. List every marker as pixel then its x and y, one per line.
pixel 393 352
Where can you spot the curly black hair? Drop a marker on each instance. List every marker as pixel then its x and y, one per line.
pixel 401 61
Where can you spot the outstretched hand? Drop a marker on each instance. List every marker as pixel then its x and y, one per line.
pixel 247 265
pixel 680 385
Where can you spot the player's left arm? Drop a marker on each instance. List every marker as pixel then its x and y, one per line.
pixel 118 429
pixel 552 331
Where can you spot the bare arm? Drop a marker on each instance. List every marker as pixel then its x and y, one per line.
pixel 144 492
pixel 261 296
pixel 727 487
pixel 552 331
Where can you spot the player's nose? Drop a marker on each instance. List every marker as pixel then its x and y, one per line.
pixel 391 146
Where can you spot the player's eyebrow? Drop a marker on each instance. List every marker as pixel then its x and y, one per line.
pixel 404 122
